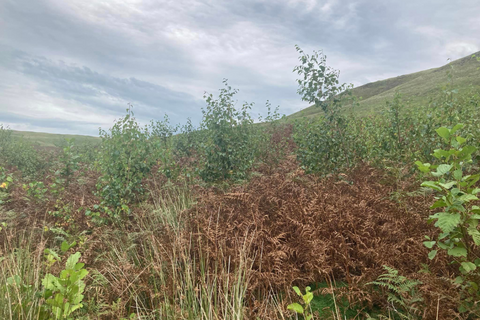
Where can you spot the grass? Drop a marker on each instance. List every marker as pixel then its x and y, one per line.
pixel 52 139
pixel 416 88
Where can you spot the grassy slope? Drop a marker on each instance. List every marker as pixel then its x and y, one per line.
pixel 52 139
pixel 416 88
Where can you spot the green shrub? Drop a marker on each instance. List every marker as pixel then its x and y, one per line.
pixel 304 310
pixel 69 160
pixel 227 145
pixel 125 159
pixel 64 294
pixel 458 218
pixel 19 153
pixel 161 139
pixel 326 144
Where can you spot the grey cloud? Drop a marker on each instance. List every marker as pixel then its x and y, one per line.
pixel 162 55
pixel 98 90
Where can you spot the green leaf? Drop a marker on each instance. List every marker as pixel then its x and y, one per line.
pixel 432 185
pixel 307 298
pixel 443 132
pixel 456 128
pixel 439 204
pixel 458 280
pixel 475 234
pixel 424 167
pixel 64 247
pixel 468 197
pixel 72 260
pixel 447 221
pixel 442 170
pixel 444 246
pixel 468 266
pixel 461 140
pixel 466 152
pixel 429 244
pixel 439 153
pixel 295 307
pixel 432 254
pixel 458 174
pixel 297 290
pixel 447 185
pixel 457 252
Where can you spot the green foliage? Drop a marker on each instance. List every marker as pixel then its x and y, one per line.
pixel 163 147
pixel 458 217
pixel 401 292
pixel 6 179
pixel 36 191
pixel 320 84
pixel 69 160
pixel 304 309
pixel 418 88
pixel 227 145
pixel 17 152
pixel 325 145
pixel 64 294
pixel 186 142
pixel 271 138
pixel 125 160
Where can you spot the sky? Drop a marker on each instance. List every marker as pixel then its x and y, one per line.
pixel 73 66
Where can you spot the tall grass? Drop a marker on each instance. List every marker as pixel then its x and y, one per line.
pixel 20 276
pixel 159 270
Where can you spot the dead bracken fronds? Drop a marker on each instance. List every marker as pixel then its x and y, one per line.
pixel 303 230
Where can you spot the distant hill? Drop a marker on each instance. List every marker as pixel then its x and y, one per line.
pixel 416 88
pixel 51 139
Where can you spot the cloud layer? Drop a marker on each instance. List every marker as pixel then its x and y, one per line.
pixel 72 66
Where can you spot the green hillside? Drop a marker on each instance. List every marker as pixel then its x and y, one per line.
pixel 416 88
pixel 52 139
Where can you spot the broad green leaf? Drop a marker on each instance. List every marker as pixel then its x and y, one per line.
pixel 295 307
pixel 458 174
pixel 457 252
pixel 466 152
pixel 447 185
pixel 431 185
pixel 443 132
pixel 475 234
pixel 442 170
pixel 429 244
pixel 456 128
pixel 424 167
pixel 439 153
pixel 468 197
pixel 432 254
pixel 65 246
pixel 447 221
pixel 443 246
pixel 461 140
pixel 439 204
pixel 72 260
pixel 458 280
pixel 468 266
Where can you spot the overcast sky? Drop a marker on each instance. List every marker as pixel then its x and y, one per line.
pixel 73 66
